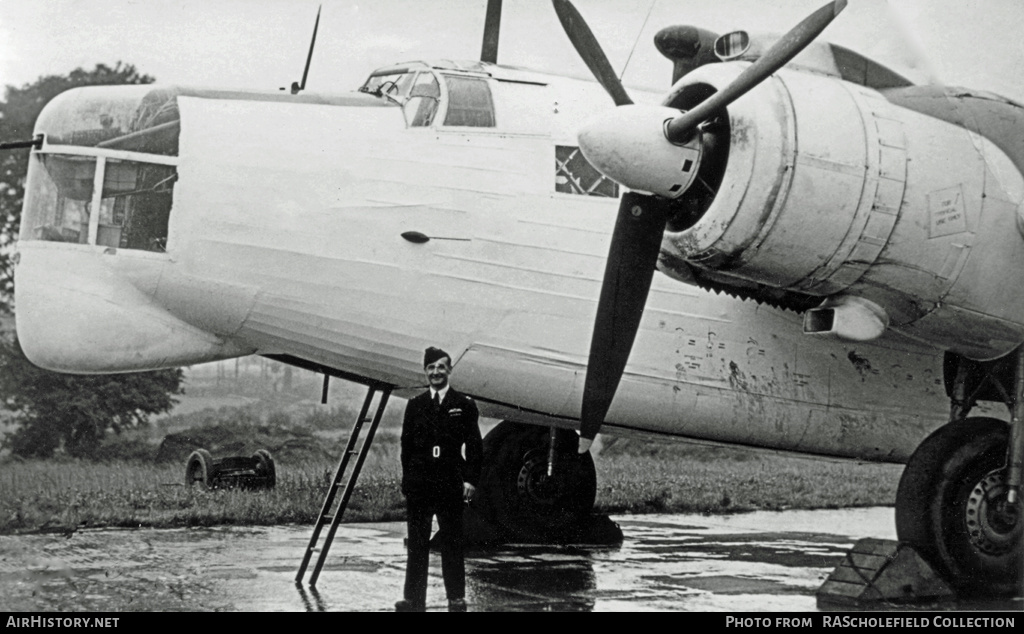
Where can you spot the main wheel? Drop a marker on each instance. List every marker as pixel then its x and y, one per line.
pixel 951 506
pixel 199 469
pixel 517 495
pixel 265 470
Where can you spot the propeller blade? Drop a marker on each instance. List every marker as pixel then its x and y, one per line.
pixel 636 242
pixel 593 55
pixel 492 31
pixel 681 128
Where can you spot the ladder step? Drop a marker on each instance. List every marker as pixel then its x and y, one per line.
pixel 343 480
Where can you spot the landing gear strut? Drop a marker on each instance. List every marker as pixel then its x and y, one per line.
pixel 521 497
pixel 955 503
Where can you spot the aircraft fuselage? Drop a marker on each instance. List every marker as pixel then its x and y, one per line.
pixel 286 238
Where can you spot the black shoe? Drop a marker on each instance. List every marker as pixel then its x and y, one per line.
pixel 456 605
pixel 406 605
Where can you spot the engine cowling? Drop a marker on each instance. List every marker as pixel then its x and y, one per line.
pixel 826 189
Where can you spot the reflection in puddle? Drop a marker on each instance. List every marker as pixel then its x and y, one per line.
pixel 317 604
pixel 532 579
pixel 667 562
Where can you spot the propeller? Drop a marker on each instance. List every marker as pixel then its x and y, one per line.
pixel 492 31
pixel 640 225
pixel 629 271
pixel 682 127
pixel 586 45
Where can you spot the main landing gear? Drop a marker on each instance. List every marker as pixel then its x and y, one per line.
pixel 535 487
pixel 958 502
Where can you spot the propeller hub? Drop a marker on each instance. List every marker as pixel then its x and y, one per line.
pixel 629 146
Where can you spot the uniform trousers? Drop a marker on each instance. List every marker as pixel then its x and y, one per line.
pixel 453 567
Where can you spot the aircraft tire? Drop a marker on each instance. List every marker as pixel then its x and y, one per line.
pixel 265 469
pixel 199 469
pixel 950 506
pixel 516 495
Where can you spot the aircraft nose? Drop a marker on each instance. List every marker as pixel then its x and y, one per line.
pixel 75 314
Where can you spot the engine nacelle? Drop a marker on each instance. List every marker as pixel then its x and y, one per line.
pixel 831 190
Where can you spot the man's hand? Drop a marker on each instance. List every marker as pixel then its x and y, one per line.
pixel 467 492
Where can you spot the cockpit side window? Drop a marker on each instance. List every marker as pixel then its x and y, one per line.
pixel 469 102
pixel 417 92
pixel 423 100
pixel 395 85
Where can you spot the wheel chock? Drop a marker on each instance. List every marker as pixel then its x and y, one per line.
pixel 881 570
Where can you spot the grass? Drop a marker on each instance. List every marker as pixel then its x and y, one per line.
pixel 58 496
pixel 650 485
pixel 633 477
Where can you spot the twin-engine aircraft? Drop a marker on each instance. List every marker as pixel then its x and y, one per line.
pixel 827 234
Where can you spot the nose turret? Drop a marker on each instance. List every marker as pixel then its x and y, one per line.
pixel 94 236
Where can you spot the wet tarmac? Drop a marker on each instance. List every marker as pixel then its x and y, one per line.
pixel 765 561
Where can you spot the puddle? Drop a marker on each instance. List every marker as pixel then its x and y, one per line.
pixel 761 561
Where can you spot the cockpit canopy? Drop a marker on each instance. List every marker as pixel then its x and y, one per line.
pixel 464 97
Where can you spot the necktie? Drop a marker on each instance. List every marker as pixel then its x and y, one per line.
pixel 437 400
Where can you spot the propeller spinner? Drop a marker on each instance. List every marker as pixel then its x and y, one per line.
pixel 636 239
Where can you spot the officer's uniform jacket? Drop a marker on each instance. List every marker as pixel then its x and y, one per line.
pixel 433 468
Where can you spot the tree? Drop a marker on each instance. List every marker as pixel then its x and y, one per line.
pixel 61 410
pixel 18 114
pixel 55 410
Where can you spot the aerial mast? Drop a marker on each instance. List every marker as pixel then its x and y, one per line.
pixel 297 86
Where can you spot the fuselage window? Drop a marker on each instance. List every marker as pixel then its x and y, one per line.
pixel 469 102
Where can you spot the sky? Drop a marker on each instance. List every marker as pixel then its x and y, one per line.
pixel 263 43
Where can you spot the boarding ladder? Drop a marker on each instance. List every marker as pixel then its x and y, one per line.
pixel 344 480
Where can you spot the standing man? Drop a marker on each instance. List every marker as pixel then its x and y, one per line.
pixel 436 480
